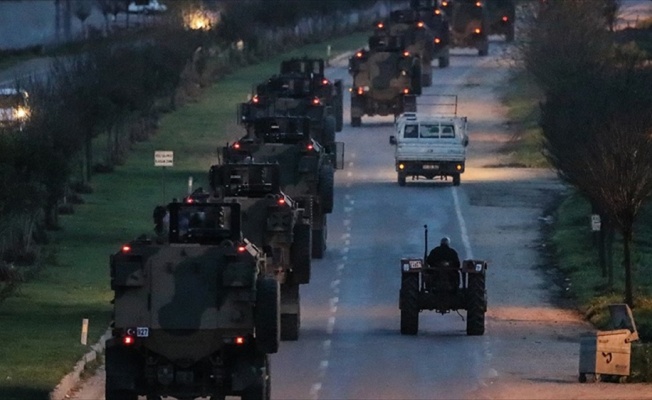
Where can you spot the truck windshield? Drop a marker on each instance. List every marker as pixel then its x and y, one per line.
pixel 436 131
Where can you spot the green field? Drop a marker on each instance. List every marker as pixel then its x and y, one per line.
pixel 42 323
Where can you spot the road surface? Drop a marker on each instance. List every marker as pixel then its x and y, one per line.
pixel 350 346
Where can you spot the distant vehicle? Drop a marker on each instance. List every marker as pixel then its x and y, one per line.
pixel 146 7
pixel 14 108
pixel 386 79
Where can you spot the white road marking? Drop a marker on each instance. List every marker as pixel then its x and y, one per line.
pixel 331 325
pixel 348 210
pixel 347 242
pixel 314 390
pixel 336 282
pixel 460 219
pixel 349 174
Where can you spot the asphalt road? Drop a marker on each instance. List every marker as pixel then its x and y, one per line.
pixel 350 346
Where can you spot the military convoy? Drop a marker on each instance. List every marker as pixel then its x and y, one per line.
pixel 194 313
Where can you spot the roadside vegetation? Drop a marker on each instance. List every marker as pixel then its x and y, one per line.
pixel 578 106
pixel 85 162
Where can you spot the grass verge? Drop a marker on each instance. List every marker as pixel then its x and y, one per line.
pixel 574 250
pixel 42 324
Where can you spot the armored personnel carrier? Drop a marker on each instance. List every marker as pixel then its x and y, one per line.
pixel 306 167
pixel 431 14
pixel 274 222
pixel 420 40
pixel 330 92
pixel 428 287
pixel 193 314
pixel 469 24
pixel 294 94
pixel 386 79
pixel 502 15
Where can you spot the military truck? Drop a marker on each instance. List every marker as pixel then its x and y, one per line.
pixel 306 168
pixel 502 15
pixel 419 39
pixel 469 24
pixel 193 313
pixel 293 94
pixel 330 92
pixel 272 221
pixel 425 287
pixel 437 20
pixel 386 79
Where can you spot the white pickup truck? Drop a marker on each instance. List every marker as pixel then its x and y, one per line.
pixel 430 146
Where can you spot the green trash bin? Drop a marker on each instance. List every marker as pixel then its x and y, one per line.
pixel 606 355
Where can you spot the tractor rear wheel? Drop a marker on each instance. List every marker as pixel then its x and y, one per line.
pixel 409 304
pixel 476 305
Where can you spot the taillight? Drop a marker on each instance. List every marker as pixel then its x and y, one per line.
pixel 437 12
pixel 189 200
pixel 360 90
pixel 358 54
pixel 477 31
pixel 236 145
pixel 128 340
pixel 406 53
pixel 255 99
pixel 380 25
pixel 324 82
pixel 242 249
pixel 420 24
pixel 505 19
pixel 281 201
pixel 406 91
pixel 316 101
pixel 478 4
pixel 239 340
pixel 310 147
pixel 126 248
pixel 437 40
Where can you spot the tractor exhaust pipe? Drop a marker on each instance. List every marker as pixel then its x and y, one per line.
pixel 425 237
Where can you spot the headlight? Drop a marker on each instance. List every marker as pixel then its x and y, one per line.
pixel 20 113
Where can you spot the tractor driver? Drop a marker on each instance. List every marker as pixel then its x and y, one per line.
pixel 444 256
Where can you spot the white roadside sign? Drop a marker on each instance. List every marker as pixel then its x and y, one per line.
pixel 595 222
pixel 164 159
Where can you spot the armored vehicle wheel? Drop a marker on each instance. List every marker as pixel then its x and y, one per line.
pixel 426 80
pixel 356 122
pixel 338 107
pixel 444 61
pixel 328 135
pixel 416 79
pixel 120 395
pixel 475 307
pixel 262 389
pixel 509 36
pixel 409 304
pixel 456 179
pixel 325 187
pixel 301 253
pixel 266 315
pixel 401 178
pixel 319 242
pixel 290 325
pixel 483 50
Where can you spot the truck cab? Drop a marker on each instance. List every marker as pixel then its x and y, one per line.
pixel 430 146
